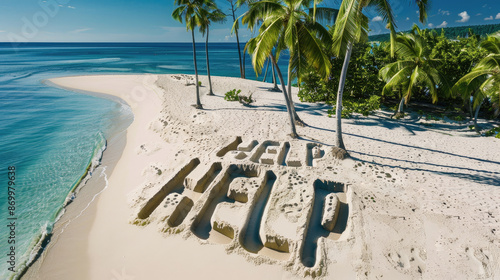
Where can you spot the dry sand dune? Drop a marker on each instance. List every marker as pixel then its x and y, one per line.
pixel 224 192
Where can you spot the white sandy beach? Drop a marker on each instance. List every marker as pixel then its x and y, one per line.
pixel 417 202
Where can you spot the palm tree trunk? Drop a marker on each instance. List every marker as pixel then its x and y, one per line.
pixel 339 142
pixel 198 102
pixel 470 109
pixel 476 114
pixel 400 112
pixel 242 71
pixel 210 92
pixel 265 74
pixel 293 134
pixel 401 107
pixel 298 121
pixel 243 61
pixel 275 88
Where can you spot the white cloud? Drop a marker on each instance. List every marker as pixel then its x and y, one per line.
pixel 489 18
pixel 478 14
pixel 443 24
pixel 498 16
pixel 444 13
pixel 407 18
pixel 377 18
pixel 80 30
pixel 431 25
pixel 485 5
pixel 2 31
pixel 465 17
pixel 71 7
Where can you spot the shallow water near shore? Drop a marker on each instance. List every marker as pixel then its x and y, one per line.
pixel 52 136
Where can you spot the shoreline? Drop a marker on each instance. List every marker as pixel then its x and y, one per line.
pixel 405 190
pixel 44 237
pixel 79 200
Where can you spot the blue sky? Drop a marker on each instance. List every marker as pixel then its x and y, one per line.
pixel 150 20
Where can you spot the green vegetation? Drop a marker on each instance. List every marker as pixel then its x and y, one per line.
pixel 194 13
pixel 286 25
pixel 351 27
pixel 234 95
pixel 213 14
pixel 441 61
pixel 451 32
pixel 493 132
pixel 363 107
pixel 414 70
pixel 483 82
pixel 445 78
pixel 246 100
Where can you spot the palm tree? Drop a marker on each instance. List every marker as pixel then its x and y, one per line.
pixel 352 26
pixel 273 76
pixel 414 69
pixel 234 6
pixel 192 12
pixel 215 15
pixel 287 25
pixel 484 79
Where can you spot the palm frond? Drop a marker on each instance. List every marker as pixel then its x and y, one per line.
pixel 399 78
pixel 258 11
pixel 492 44
pixel 323 14
pixel 346 26
pixel 177 13
pixel 312 49
pixel 265 42
pixel 423 6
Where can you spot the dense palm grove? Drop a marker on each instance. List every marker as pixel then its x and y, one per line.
pixel 419 69
pixel 450 59
pixel 372 80
pixel 451 32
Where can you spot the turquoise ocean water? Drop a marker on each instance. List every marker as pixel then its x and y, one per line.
pixel 51 136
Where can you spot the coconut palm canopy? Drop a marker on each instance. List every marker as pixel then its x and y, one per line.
pixel 287 25
pixel 194 13
pixel 413 68
pixel 485 76
pixel 351 26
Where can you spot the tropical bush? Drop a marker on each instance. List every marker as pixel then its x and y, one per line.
pixel 493 132
pixel 456 59
pixel 246 100
pixel 234 95
pixel 364 107
pixel 362 76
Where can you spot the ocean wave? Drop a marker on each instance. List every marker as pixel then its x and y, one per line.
pixel 114 69
pixel 176 67
pixel 10 78
pixel 39 244
pixel 93 60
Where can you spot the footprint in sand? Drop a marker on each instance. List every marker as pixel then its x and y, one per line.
pixel 407 260
pixel 481 259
